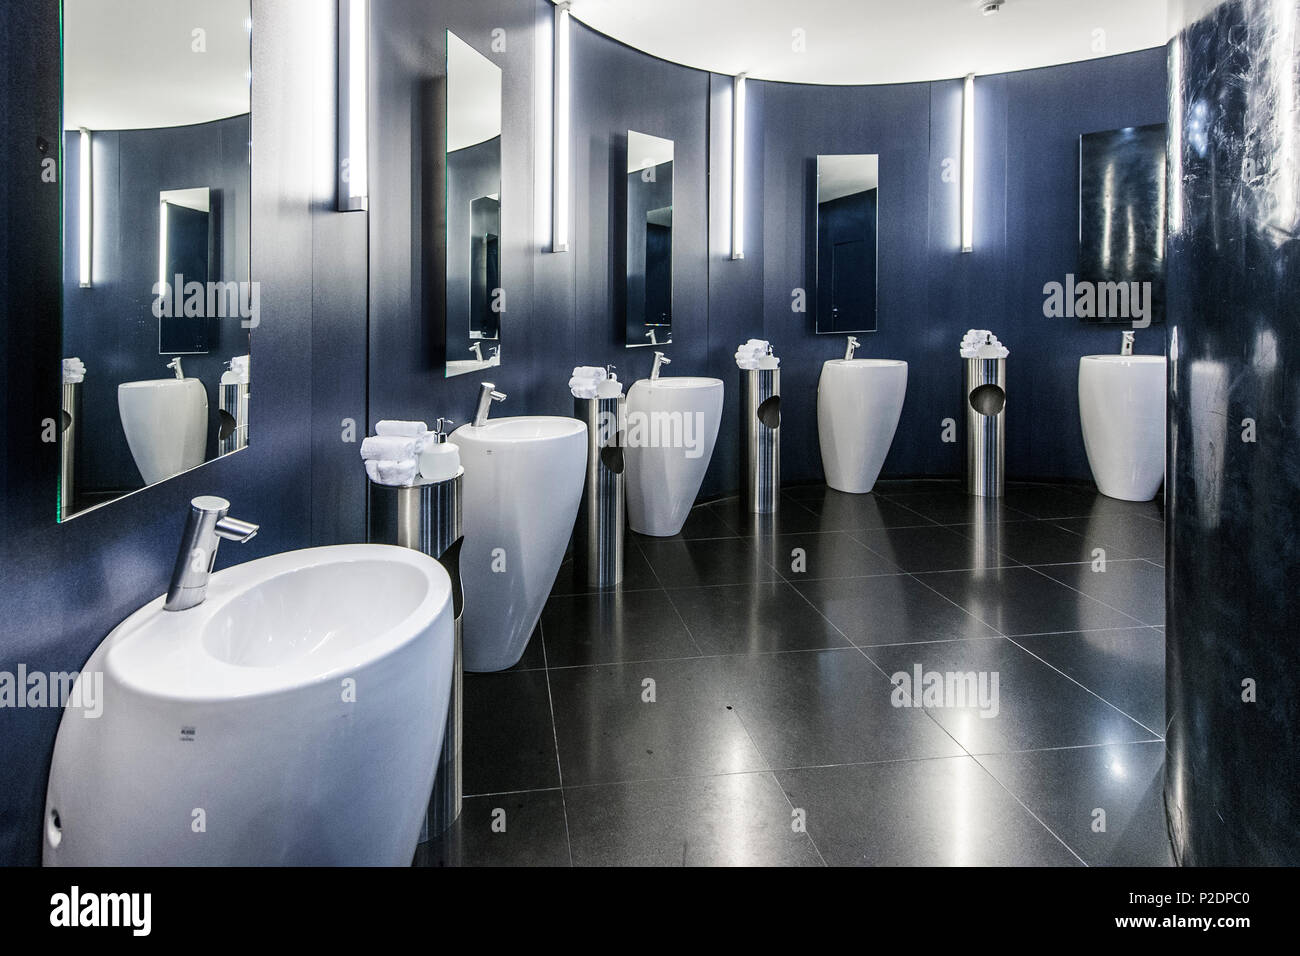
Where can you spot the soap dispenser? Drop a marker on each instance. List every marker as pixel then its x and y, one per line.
pixel 440 460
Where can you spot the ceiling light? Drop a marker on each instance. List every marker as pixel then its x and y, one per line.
pixel 990 7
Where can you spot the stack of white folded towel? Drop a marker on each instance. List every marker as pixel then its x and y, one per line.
pixel 392 456
pixel 749 354
pixel 981 343
pixel 74 371
pixel 586 380
pixel 239 368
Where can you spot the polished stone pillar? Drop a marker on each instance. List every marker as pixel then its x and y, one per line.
pixel 1232 785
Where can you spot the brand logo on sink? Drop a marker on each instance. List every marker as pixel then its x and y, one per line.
pixel 59 689
pixel 683 430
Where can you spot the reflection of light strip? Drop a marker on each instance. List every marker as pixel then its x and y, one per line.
pixel 353 47
pixel 738 167
pixel 85 210
pixel 560 133
pixel 1174 172
pixel 162 249
pixel 1283 74
pixel 968 164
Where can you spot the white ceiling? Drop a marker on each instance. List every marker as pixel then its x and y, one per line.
pixel 875 41
pixel 131 64
pixel 645 151
pixel 473 95
pixel 845 174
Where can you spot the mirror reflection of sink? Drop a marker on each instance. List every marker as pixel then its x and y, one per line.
pixel 1122 413
pixel 296 715
pixel 166 425
pixel 465 366
pixel 859 402
pixel 523 482
pixel 672 427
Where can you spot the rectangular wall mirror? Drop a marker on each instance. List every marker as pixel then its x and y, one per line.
pixel 474 298
pixel 1122 220
pixel 648 294
pixel 847 187
pixel 157 299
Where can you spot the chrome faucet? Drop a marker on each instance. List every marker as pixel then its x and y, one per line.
pixel 494 355
pixel 487 394
pixel 853 344
pixel 477 349
pixel 206 525
pixel 651 336
pixel 1126 347
pixel 660 360
pixel 175 366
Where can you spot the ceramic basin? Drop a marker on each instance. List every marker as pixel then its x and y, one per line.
pixel 858 405
pixel 166 425
pixel 523 483
pixel 292 718
pixel 1122 411
pixel 672 427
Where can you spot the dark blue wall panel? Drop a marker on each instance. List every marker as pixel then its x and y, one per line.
pixel 1234 538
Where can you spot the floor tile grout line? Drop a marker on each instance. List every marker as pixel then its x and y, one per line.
pixel 1016 797
pixel 819 766
pixel 1072 680
pixel 1086 595
pixel 1007 637
pixel 887 677
pixel 555 738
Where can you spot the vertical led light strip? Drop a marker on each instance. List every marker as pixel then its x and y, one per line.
pixel 968 164
pixel 353 175
pixel 738 167
pixel 560 133
pixel 85 210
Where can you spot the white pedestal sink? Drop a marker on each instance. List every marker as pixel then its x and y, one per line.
pixel 858 405
pixel 292 718
pixel 672 427
pixel 166 425
pixel 1122 411
pixel 523 483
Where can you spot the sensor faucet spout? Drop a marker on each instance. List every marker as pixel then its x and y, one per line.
pixel 660 361
pixel 853 345
pixel 487 394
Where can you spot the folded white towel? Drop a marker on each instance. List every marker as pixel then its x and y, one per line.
pixel 389 448
pixel 584 388
pixel 74 371
pixel 589 371
pixel 397 473
pixel 746 361
pixel 397 429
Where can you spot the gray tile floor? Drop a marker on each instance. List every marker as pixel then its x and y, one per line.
pixel 734 701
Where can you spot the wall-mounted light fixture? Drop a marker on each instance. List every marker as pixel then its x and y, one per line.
pixel 560 132
pixel 738 166
pixel 353 172
pixel 968 164
pixel 85 210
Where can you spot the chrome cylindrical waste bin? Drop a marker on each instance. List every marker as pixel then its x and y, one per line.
pixel 68 448
pixel 986 407
pixel 427 517
pixel 760 439
pixel 598 539
pixel 232 412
